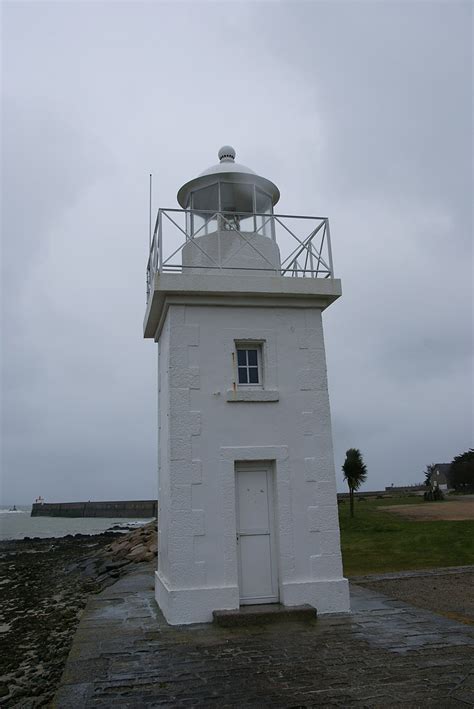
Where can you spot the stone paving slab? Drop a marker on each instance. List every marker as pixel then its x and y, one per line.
pixel 384 654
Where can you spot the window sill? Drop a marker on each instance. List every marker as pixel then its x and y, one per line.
pixel 251 395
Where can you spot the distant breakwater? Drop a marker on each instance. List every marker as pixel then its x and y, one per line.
pixel 142 509
pixel 135 509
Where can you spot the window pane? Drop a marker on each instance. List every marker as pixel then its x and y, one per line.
pixel 263 202
pixel 197 222
pixel 205 199
pixel 236 197
pixel 241 357
pixel 243 375
pixel 252 355
pixel 253 375
pixel 264 226
pixel 211 223
pixel 247 224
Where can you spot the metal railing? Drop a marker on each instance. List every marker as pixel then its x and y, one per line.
pixel 305 254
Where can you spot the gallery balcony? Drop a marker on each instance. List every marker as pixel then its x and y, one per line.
pixel 304 243
pixel 240 254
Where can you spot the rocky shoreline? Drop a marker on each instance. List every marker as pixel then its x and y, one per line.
pixel 44 585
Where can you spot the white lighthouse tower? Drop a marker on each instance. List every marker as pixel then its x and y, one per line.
pixel 247 494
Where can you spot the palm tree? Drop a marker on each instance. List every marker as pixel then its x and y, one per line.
pixel 355 472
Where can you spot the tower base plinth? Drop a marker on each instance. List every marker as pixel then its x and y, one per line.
pixel 327 596
pixel 196 605
pixel 193 605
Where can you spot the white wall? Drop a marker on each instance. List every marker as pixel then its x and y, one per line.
pixel 163 446
pixel 202 433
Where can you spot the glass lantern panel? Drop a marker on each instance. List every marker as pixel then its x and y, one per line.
pixel 205 199
pixel 247 224
pixel 263 202
pixel 263 206
pixel 198 223
pixel 204 203
pixel 236 197
pixel 237 204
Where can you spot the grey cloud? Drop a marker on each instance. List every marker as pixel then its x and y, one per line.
pixel 359 111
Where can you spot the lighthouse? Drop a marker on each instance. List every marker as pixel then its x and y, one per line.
pixel 247 509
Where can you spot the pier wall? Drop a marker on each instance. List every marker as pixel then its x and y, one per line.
pixel 137 509
pixel 142 509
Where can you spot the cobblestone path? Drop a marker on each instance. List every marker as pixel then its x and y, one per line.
pixel 385 654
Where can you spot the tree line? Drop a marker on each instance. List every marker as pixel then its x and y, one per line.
pixel 461 473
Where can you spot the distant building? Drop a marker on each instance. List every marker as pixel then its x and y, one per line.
pixel 440 477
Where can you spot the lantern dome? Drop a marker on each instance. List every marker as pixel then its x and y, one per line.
pixel 227 163
pixel 227 171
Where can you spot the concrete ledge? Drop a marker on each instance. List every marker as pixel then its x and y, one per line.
pixel 264 291
pixel 251 395
pixel 265 613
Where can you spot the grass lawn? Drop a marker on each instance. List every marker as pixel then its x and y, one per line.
pixel 376 541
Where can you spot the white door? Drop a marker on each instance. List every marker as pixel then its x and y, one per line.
pixel 256 549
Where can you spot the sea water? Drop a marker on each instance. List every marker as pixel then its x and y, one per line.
pixel 19 524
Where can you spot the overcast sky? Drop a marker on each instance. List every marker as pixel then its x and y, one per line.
pixel 359 111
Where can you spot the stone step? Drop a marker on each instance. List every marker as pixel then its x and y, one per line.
pixel 264 613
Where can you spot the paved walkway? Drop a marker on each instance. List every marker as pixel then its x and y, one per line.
pixel 385 654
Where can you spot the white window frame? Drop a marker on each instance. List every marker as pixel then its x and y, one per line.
pixel 258 346
pixel 267 392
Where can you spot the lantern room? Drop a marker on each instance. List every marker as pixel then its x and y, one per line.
pixel 229 196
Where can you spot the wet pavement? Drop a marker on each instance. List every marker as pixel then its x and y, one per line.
pixel 384 654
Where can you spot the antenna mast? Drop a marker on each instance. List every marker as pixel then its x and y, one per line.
pixel 149 215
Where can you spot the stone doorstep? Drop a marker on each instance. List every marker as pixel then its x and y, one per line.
pixel 264 613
